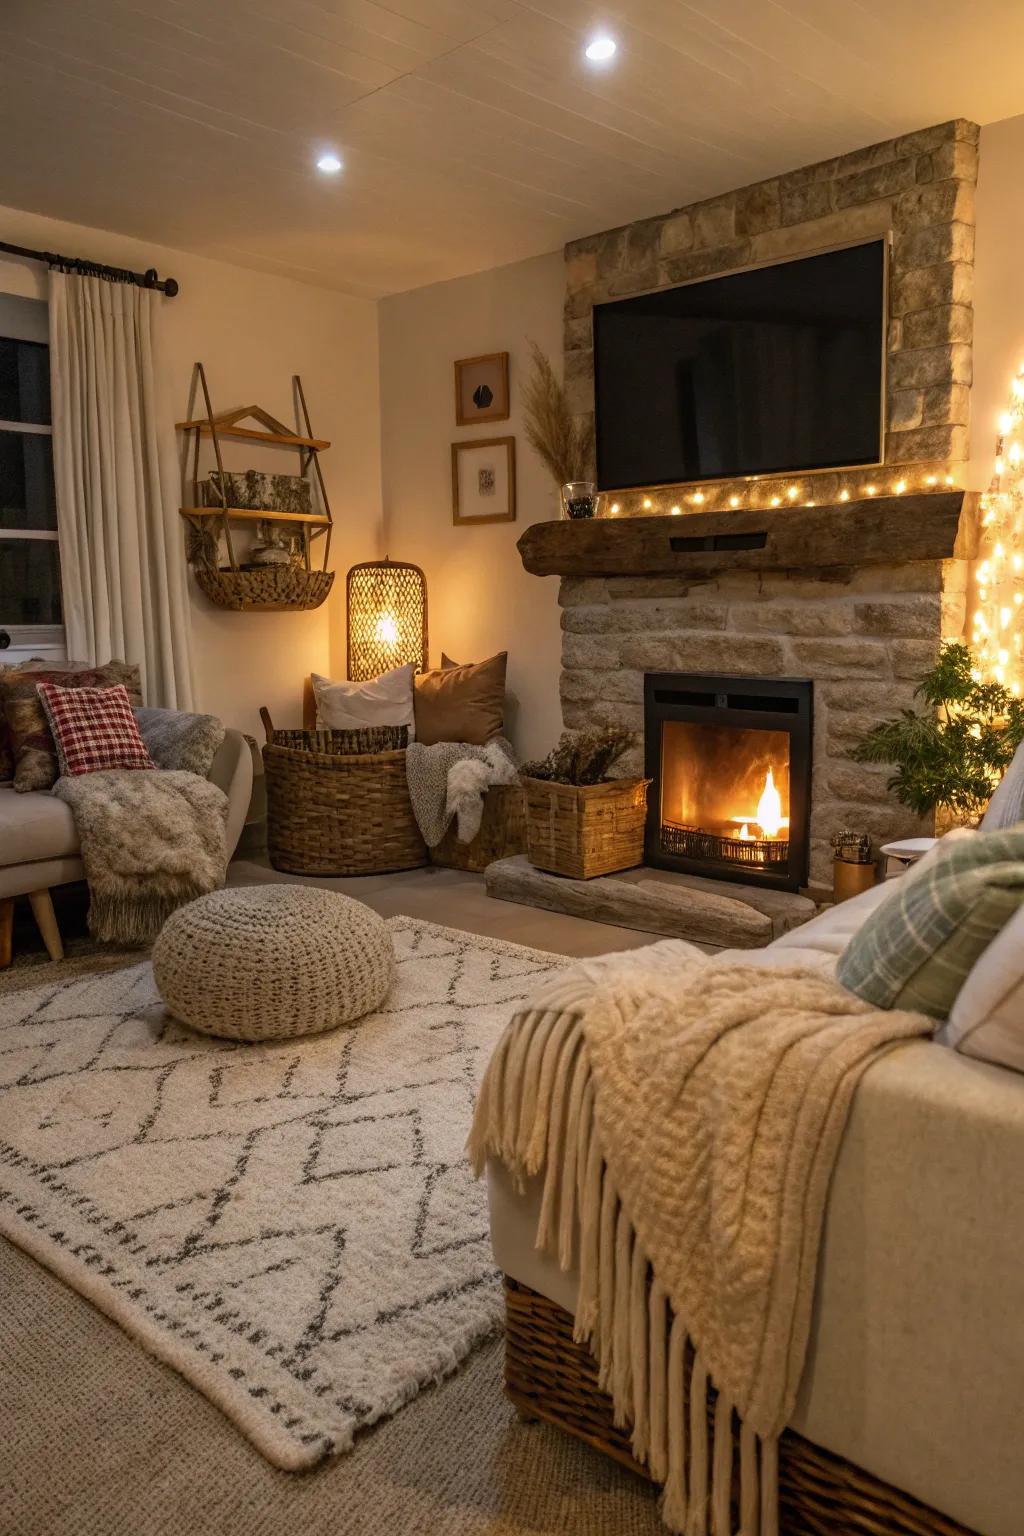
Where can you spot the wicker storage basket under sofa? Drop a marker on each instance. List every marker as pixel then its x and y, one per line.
pixel 549 1376
pixel 331 813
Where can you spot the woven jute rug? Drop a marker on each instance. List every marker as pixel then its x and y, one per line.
pixel 292 1226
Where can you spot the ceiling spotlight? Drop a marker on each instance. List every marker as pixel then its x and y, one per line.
pixel 329 163
pixel 600 49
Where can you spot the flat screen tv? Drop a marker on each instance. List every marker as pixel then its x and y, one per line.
pixel 774 370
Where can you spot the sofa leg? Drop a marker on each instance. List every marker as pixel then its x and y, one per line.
pixel 6 931
pixel 46 921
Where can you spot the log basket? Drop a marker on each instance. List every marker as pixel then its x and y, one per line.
pixel 585 830
pixel 331 813
pixel 549 1376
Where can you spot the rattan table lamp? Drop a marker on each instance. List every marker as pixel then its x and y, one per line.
pixel 387 618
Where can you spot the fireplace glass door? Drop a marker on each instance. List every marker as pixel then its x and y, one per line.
pixel 730 760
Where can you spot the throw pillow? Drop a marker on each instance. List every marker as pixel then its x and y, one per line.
pixel 462 703
pixel 987 1019
pixel 1006 807
pixel 35 754
pixel 94 728
pixel 385 700
pixel 916 950
pixel 175 739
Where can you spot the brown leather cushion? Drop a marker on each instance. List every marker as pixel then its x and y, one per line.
pixel 35 754
pixel 462 703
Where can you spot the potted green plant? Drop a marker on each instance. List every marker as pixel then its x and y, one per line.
pixel 949 755
pixel 580 822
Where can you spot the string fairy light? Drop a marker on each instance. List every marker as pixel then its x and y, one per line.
pixel 773 494
pixel 998 578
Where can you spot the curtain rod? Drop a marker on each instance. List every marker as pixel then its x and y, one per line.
pixel 167 285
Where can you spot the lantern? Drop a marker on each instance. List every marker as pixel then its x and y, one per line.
pixel 387 618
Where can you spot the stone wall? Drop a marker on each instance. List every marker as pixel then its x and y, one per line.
pixel 921 188
pixel 863 640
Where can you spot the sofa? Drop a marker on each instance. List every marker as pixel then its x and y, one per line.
pixel 915 1366
pixel 39 844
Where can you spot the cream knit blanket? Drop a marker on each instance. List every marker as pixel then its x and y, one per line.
pixel 687 1114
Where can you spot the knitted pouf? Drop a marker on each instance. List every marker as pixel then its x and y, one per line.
pixel 272 962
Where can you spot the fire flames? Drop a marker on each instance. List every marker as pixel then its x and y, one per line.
pixel 768 816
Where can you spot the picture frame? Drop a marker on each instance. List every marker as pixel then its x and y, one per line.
pixel 484 481
pixel 481 389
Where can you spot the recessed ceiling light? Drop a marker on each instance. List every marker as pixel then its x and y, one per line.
pixel 330 164
pixel 601 49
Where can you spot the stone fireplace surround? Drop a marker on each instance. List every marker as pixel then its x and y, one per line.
pixel 855 597
pixel 858 595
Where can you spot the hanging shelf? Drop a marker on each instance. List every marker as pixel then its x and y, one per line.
pixel 256 588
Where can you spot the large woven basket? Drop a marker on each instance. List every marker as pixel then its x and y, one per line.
pixel 329 814
pixel 585 830
pixel 502 833
pixel 549 1376
pixel 271 587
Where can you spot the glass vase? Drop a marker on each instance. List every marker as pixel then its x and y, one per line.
pixel 579 499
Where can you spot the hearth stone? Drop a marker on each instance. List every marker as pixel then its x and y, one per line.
pixel 657 901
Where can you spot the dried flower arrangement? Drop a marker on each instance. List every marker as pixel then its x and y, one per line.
pixel 563 442
pixel 583 758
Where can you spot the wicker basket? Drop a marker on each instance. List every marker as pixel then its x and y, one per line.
pixel 585 830
pixel 271 587
pixel 549 1376
pixel 329 814
pixel 502 833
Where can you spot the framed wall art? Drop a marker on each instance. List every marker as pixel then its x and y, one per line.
pixel 484 480
pixel 481 389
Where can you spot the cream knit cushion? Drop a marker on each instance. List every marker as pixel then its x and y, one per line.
pixel 272 962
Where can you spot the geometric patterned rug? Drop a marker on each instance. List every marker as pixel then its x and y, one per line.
pixel 292 1226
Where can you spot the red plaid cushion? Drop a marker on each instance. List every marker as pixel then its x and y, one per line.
pixel 94 728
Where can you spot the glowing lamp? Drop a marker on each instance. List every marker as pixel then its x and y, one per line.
pixel 387 618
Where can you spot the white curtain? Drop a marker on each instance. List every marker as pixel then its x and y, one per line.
pixel 122 556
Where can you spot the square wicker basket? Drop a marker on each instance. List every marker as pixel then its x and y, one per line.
pixel 584 830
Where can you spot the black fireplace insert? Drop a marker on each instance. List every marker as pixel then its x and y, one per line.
pixel 730 760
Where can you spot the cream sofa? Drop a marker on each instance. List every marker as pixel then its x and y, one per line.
pixel 915 1367
pixel 39 844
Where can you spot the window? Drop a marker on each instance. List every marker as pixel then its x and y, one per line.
pixel 30 601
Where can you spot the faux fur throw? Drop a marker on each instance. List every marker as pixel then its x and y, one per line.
pixel 176 739
pixel 687 1113
pixel 449 779
pixel 151 841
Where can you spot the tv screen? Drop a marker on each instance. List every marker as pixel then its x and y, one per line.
pixel 773 370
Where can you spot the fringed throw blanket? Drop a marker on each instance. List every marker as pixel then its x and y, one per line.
pixel 150 842
pixel 687 1115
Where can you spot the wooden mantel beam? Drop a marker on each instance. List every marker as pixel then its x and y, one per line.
pixel 887 530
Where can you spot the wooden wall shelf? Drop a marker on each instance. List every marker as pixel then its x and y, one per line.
pixel 258 515
pixel 249 435
pixel 248 591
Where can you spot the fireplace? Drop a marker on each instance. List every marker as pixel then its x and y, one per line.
pixel 730 761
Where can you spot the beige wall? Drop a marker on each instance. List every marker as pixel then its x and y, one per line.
pixel 480 598
pixel 253 332
pixel 998 287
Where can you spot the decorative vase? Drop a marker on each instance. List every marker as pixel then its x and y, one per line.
pixel 579 499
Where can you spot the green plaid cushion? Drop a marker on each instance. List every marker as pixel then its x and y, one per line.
pixel 915 951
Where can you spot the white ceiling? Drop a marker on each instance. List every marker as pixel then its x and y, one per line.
pixel 473 131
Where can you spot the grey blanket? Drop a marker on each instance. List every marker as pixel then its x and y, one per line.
pixel 151 841
pixel 441 790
